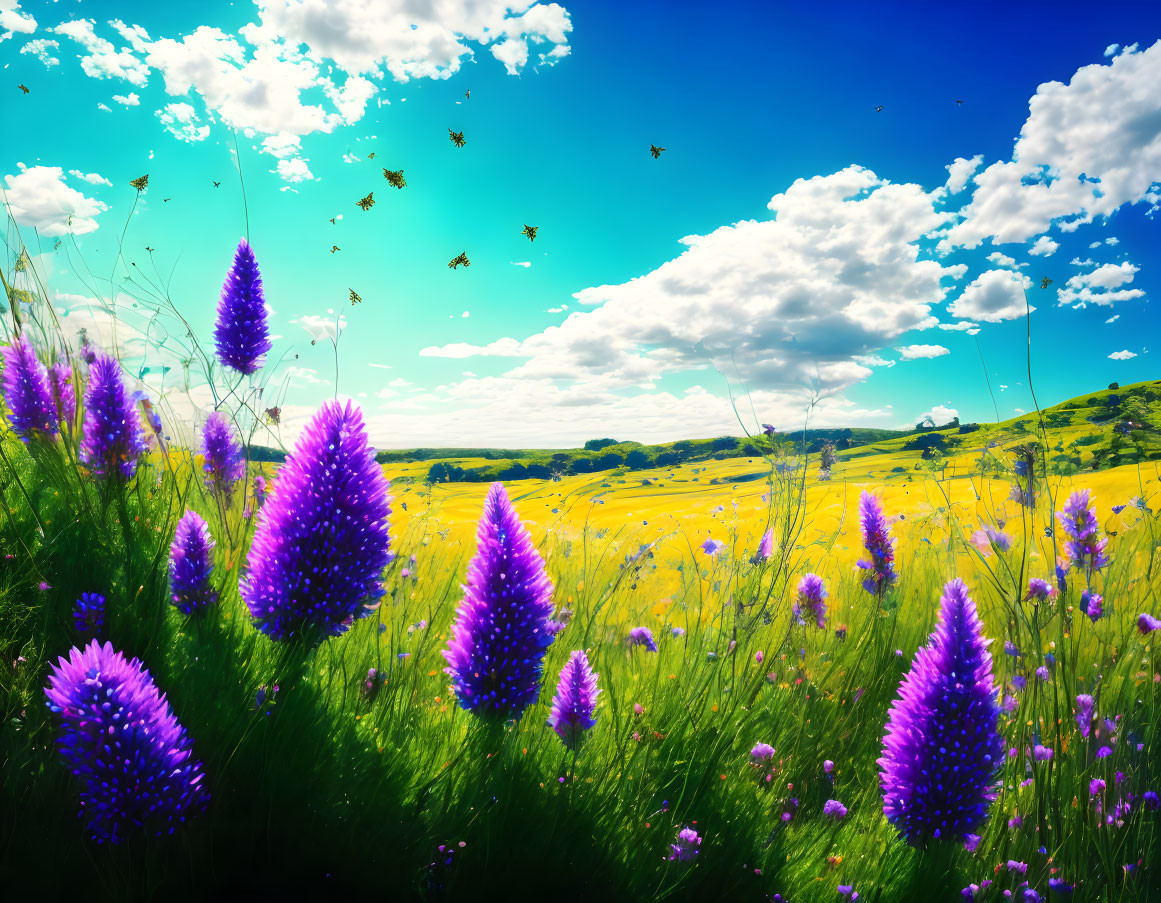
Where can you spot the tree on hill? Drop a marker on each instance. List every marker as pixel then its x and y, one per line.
pixel 598 444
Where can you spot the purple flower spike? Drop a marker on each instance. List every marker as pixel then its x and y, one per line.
pixel 320 546
pixel 942 751
pixel 496 653
pixel 31 411
pixel 1146 623
pixel 687 846
pixel 1086 548
pixel 642 636
pixel 120 738
pixel 1084 705
pixel 241 334
pixel 64 394
pixel 879 543
pixel 191 562
pixel 89 615
pixel 575 700
pixel 224 465
pixel 113 439
pixel 1040 590
pixel 811 596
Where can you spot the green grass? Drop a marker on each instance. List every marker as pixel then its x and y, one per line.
pixel 323 790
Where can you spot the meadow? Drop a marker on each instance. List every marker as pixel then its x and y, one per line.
pixel 331 748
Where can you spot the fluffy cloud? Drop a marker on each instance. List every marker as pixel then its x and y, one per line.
pixel 266 79
pixel 1101 286
pixel 38 197
pixel 961 326
pixel 992 297
pixel 836 272
pixel 103 59
pixel 1043 247
pixel 411 40
pixel 1122 355
pixel 43 49
pixel 921 352
pixel 1086 148
pixel 93 178
pixel 181 121
pixel 129 100
pixel 960 172
pixel 938 415
pixel 12 20
pixel 1003 260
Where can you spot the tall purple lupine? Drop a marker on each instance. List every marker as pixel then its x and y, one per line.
pixel 64 394
pixel 191 562
pixel 496 653
pixel 224 465
pixel 811 600
pixel 879 543
pixel 321 543
pixel 942 750
pixel 240 334
pixel 31 412
pixel 120 738
pixel 113 438
pixel 765 547
pixel 575 700
pixel 1086 549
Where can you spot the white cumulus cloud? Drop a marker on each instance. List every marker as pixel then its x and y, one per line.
pixel 992 296
pixel 922 352
pixel 1103 286
pixel 1122 355
pixel 1043 247
pixel 1086 148
pixel 38 197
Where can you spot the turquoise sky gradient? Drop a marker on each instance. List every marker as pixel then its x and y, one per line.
pixel 746 99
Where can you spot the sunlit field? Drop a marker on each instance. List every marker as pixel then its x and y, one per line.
pixel 532 450
pixel 731 753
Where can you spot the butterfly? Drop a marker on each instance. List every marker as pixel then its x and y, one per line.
pixel 23 88
pixel 461 259
pixel 655 150
pixel 355 299
pixel 217 184
pixel 274 415
pixel 457 138
pixel 371 156
pixel 368 202
pixel 395 177
pixel 467 95
pixel 1045 282
pixel 140 183
pixel 335 248
pixel 879 108
pixel 332 220
pixel 530 231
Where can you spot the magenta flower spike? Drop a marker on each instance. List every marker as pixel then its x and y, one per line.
pixel 113 439
pixel 811 601
pixel 119 737
pixel 321 543
pixel 575 700
pixel 27 392
pixel 879 543
pixel 496 653
pixel 191 562
pixel 942 750
pixel 240 334
pixel 223 464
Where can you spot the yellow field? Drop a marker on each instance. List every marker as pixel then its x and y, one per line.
pixel 678 508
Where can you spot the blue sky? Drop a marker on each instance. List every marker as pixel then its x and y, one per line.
pixel 867 284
